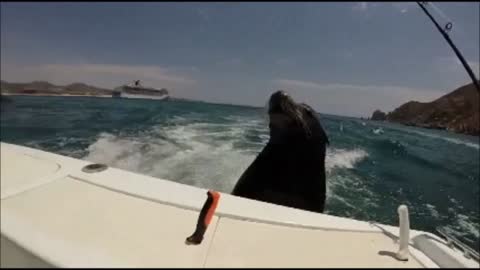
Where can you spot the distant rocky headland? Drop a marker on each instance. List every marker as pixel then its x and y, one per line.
pixel 44 88
pixel 379 116
pixel 458 111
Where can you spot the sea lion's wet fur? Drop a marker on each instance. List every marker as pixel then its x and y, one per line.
pixel 290 170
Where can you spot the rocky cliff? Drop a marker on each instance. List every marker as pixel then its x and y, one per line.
pixel 379 116
pixel 457 111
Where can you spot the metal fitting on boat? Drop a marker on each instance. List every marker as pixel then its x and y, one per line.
pixel 94 168
pixel 402 253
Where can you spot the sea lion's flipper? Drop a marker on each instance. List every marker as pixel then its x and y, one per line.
pixel 250 182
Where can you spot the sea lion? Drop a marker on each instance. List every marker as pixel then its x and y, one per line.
pixel 290 170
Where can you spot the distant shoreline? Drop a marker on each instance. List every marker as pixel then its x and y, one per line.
pixel 53 95
pixel 239 105
pixel 172 98
pixel 109 96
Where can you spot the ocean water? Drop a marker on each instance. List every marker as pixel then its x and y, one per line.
pixel 435 173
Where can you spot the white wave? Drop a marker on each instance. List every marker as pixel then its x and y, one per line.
pixel 457 141
pixel 339 189
pixel 179 153
pixel 342 158
pixel 265 138
pixel 200 154
pixel 378 131
pixel 467 225
pixel 338 185
pixel 334 198
pixel 451 140
pixel 464 228
pixel 433 211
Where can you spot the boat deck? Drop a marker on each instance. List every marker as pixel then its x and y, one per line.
pixel 54 214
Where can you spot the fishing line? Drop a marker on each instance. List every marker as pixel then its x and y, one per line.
pixel 445 35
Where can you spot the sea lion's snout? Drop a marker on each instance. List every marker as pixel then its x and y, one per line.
pixel 278 115
pixel 277 102
pixel 283 111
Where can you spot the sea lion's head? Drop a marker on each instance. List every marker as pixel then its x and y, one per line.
pixel 284 113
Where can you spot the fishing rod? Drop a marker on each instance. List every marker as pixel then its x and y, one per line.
pixel 444 33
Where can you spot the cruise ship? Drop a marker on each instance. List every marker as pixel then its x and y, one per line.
pixel 136 90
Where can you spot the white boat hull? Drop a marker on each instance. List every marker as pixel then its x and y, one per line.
pixel 124 95
pixel 55 214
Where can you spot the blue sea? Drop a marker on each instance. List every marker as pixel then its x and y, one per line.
pixel 369 174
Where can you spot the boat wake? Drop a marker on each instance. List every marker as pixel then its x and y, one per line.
pixel 207 155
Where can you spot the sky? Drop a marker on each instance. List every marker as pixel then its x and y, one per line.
pixel 343 58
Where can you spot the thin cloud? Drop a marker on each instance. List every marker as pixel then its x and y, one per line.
pixel 403 7
pixel 341 86
pixel 360 6
pixel 440 12
pixel 345 54
pixel 284 61
pixel 453 65
pixel 203 13
pixel 351 99
pixel 230 62
pixel 365 9
pixel 104 75
pixel 297 83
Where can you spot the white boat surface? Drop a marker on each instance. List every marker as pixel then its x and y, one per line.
pixel 55 214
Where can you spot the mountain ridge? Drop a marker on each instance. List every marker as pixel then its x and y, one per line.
pixel 457 111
